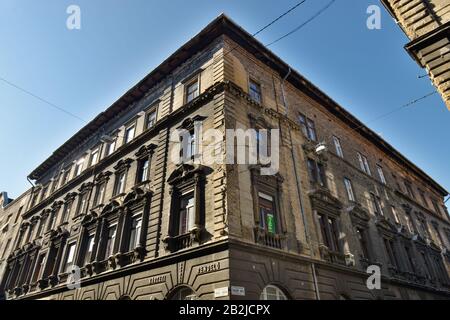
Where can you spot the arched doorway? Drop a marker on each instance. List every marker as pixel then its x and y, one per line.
pixel 272 292
pixel 182 293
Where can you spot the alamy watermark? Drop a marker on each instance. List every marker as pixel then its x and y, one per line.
pixel 240 146
pixel 373 282
pixel 73 21
pixel 374 20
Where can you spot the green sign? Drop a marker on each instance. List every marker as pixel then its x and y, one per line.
pixel 270 222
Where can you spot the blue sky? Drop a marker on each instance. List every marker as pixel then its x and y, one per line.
pixel 84 71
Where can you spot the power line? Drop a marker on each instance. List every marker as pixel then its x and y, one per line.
pixel 397 109
pixel 268 25
pixel 42 99
pixel 317 14
pixel 280 17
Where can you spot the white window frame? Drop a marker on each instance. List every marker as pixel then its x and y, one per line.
pixel 381 174
pixel 338 146
pixel 127 137
pixel 349 189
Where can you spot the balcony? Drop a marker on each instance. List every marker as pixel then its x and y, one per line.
pixel 182 241
pixel 332 256
pixel 269 239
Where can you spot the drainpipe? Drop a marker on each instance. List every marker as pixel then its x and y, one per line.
pixel 299 192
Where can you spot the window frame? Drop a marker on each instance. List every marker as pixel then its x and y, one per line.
pixel 349 188
pixel 338 147
pixel 255 95
pixel 151 111
pixel 129 128
pixel 364 164
pixel 195 94
pixel 69 253
pixel 381 174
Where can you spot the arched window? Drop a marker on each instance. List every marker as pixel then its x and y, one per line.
pixel 183 293
pixel 272 293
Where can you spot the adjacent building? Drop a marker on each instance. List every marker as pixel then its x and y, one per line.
pixel 427 25
pixel 113 216
pixel 10 222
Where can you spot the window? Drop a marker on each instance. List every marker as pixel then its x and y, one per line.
pixel 364 164
pixel 308 127
pixel 409 224
pixel 111 146
pixel 39 268
pixel 394 213
pixel 143 170
pixel 192 90
pixel 267 213
pixel 129 133
pixel 361 235
pixel 330 232
pixel 34 198
pixel 70 257
pixel 423 226
pixel 19 213
pixel 66 212
pixel 410 259
pixel 183 293
pixel 5 250
pixel 381 174
pixel 150 119
pixel 435 206
pixel 376 204
pixel 120 183
pixel 190 145
pixel 409 189
pixel 135 231
pixel 95 156
pixel 79 167
pixel 45 191
pixel 422 197
pixel 272 293
pixel 111 237
pixel 41 228
pixel 52 220
pixel 255 91
pixel 54 183
pixel 349 188
pixel 187 214
pixel 83 203
pixel 397 184
pixel 89 249
pixel 317 173
pixel 437 232
pixel 390 250
pixel 100 194
pixel 65 176
pixel 337 144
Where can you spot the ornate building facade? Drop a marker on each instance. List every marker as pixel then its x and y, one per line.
pixel 112 216
pixel 427 25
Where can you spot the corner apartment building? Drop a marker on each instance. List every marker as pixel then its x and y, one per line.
pixel 427 25
pixel 112 209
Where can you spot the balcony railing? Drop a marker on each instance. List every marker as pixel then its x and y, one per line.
pixel 269 239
